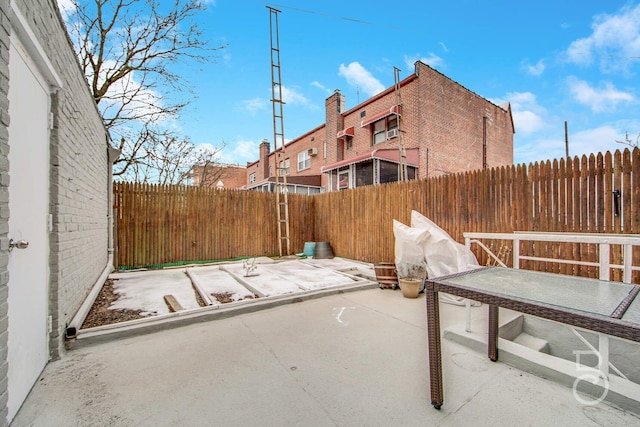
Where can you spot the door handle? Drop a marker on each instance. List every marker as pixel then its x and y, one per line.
pixel 20 244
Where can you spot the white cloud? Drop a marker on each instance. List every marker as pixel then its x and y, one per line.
pixel 254 105
pixel 614 40
pixel 293 96
pixel 357 75
pixel 290 96
pixel 601 99
pixel 321 86
pixel 128 98
pixel 536 69
pixel 598 140
pixel 240 152
pixel 528 115
pixel 551 145
pixel 432 60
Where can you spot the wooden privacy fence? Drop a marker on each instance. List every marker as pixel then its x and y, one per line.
pixel 596 194
pixel 158 225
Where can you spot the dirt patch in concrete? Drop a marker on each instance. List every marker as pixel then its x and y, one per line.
pixel 227 297
pixel 100 314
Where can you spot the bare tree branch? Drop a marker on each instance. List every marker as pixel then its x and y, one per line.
pixel 127 50
pixel 629 142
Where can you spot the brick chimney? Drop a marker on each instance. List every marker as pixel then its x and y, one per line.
pixel 334 107
pixel 264 158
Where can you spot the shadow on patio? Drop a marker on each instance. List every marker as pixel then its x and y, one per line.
pixel 357 358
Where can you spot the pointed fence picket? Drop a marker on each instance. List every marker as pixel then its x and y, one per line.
pixel 159 225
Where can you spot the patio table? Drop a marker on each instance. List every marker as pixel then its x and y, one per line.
pixel 611 308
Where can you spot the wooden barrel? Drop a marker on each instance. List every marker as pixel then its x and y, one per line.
pixel 386 274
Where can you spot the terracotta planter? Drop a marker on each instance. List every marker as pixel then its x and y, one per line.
pixel 410 287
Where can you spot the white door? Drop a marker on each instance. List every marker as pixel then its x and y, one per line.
pixel 28 349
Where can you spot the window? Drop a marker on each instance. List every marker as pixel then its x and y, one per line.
pixel 285 167
pixel 252 178
pixel 389 172
pixel 381 128
pixel 364 174
pixel 379 131
pixel 304 160
pixel 392 123
pixel 343 179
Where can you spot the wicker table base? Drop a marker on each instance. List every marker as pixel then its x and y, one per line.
pixel 575 301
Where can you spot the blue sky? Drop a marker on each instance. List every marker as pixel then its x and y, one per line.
pixel 573 60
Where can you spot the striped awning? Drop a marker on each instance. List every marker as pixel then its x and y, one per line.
pixel 350 131
pixel 395 109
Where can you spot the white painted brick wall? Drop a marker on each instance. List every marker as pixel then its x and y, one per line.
pixel 79 179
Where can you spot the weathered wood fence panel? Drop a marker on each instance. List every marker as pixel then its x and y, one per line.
pixel 168 224
pixel 159 225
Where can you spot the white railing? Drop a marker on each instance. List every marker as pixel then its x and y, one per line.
pixel 604 242
pixel 604 265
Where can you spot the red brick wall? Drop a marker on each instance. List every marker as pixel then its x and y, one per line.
pixel 231 176
pixel 441 118
pixel 450 120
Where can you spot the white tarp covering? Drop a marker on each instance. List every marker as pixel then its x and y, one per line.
pixel 424 243
pixel 409 247
pixel 443 254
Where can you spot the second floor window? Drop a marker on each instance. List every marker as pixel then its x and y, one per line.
pixel 381 129
pixel 252 178
pixel 285 167
pixel 304 160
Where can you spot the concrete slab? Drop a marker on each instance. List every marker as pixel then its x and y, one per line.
pixel 212 281
pixel 136 290
pixel 350 359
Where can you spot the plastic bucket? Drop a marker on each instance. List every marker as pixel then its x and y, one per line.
pixel 309 248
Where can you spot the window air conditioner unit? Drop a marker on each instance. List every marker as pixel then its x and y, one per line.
pixel 312 151
pixel 393 133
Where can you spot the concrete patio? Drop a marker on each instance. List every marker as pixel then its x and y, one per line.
pixel 348 359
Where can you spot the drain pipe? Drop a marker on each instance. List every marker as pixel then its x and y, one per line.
pixel 78 319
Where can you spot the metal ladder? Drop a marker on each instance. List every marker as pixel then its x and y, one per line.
pixel 282 201
pixel 402 172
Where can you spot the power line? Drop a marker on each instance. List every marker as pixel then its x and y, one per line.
pixel 343 18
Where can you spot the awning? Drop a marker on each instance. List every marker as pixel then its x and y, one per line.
pixel 350 131
pixel 387 154
pixel 389 111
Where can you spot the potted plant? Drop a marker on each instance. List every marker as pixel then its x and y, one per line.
pixel 411 278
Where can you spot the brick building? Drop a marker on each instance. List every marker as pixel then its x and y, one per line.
pixel 219 175
pixel 444 127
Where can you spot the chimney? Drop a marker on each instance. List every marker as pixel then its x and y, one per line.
pixel 334 107
pixel 264 158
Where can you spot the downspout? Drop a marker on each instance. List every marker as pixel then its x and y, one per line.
pixel 81 315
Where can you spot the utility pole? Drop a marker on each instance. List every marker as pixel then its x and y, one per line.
pixel 282 201
pixel 566 138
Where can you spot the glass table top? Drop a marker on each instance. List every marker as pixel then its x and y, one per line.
pixel 578 293
pixel 633 312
